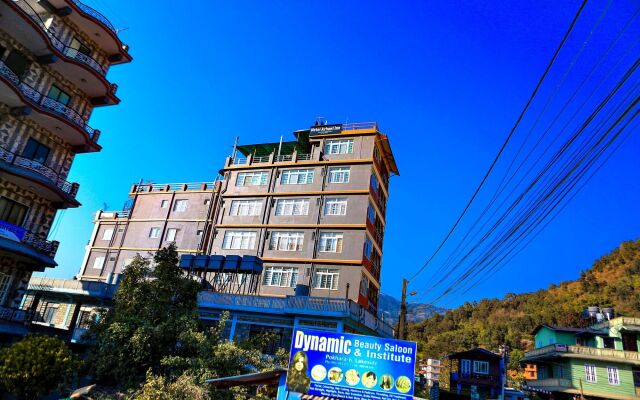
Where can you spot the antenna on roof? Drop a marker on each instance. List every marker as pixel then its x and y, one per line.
pixel 321 121
pixel 235 148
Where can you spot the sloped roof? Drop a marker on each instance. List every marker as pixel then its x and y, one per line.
pixel 557 329
pixel 474 352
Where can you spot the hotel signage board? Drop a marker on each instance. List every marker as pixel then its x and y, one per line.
pixel 325 129
pixel 348 366
pixel 11 231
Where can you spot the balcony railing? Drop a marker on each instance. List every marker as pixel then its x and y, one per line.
pixel 584 352
pixel 57 43
pixel 69 188
pixel 95 14
pixel 297 304
pixel 45 103
pixel 619 321
pixel 47 247
pixel 260 160
pixel 303 157
pixel 15 315
pixel 99 289
pixel 359 125
pixel 550 383
pixel 170 187
pixel 284 157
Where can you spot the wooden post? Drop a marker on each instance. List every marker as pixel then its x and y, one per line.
pixel 403 311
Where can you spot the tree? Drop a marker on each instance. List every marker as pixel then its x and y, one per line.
pixel 35 366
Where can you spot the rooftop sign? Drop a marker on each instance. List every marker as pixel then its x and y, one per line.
pixel 325 129
pixel 348 366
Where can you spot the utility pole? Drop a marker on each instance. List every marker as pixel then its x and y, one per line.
pixel 402 322
pixel 504 361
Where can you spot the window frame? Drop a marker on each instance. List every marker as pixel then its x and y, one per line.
pixel 104 234
pixel 8 212
pixel 613 372
pixel 284 204
pixel 255 206
pixel 297 176
pixel 171 231
pixel 228 240
pixel 101 266
pixel 590 370
pixel 164 203
pixel 288 276
pixel 36 151
pixel 478 370
pixel 5 286
pixel 60 96
pixel 154 232
pixel 326 236
pixel 339 204
pixel 333 277
pixel 286 239
pixel 338 144
pixel 241 178
pixel 178 205
pixel 343 172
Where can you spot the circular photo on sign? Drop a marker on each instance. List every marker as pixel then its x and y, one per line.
pixel 403 384
pixel 386 382
pixel 318 372
pixel 352 377
pixel 369 379
pixel 335 375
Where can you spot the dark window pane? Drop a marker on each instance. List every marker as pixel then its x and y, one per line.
pixel 58 94
pixel 18 63
pixel 12 212
pixel 36 151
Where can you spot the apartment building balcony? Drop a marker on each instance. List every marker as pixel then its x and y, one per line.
pixel 273 158
pixel 15 321
pixel 82 69
pixel 296 305
pixel 582 352
pixel 99 290
pixel 174 187
pixel 28 247
pixel 96 25
pixel 551 384
pixel 61 119
pixel 47 182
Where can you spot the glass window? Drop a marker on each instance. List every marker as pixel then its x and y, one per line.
pixel 59 95
pixel 590 373
pixel 164 204
pixel 335 206
pixel 239 240
pixel 107 234
pixel 251 179
pixel 374 183
pixel 465 367
pixel 339 174
pixel 364 285
pixel 286 241
pixel 98 262
pixel 36 151
pixel 154 233
pixel 343 146
pixel 180 205
pixel 18 63
pixel 368 248
pixel 50 313
pixel 371 214
pixel 5 286
pixel 612 376
pixel 245 207
pixel 76 44
pixel 331 242
pixel 296 177
pixel 280 276
pixel 171 234
pixel 292 207
pixel 12 211
pixel 325 278
pixel 480 367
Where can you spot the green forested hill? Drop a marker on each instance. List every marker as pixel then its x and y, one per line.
pixel 613 280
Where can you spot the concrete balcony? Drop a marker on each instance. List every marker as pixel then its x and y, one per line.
pixel 271 159
pixel 18 243
pixel 582 352
pixel 296 305
pixel 51 185
pixel 57 117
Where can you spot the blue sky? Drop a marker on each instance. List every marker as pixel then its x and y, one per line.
pixel 445 80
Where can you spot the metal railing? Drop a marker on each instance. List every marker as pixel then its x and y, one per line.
pixel 297 304
pixel 57 43
pixel 549 383
pixel 584 351
pixel 260 160
pixel 15 315
pixel 303 157
pixel 45 103
pixel 239 161
pixel 72 286
pixel 359 125
pixel 169 187
pixel 11 158
pixel 284 157
pixel 44 246
pixel 95 15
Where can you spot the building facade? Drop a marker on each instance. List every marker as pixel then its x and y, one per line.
pixel 54 58
pixel 309 214
pixel 477 372
pixel 601 361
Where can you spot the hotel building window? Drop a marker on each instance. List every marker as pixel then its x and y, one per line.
pixel 239 240
pixel 154 233
pixel 339 174
pixel 335 206
pixel 286 241
pixel 326 278
pixel 590 373
pixel 36 151
pixel 107 234
pixel 344 146
pixel 171 234
pixel 296 177
pixel 280 276
pixel 164 204
pixel 368 248
pixel 12 211
pixel 331 242
pixel 251 179
pixel 180 205
pixel 245 207
pixel 98 262
pixel 59 95
pixel 292 207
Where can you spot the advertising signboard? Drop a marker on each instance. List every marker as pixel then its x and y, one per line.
pixel 348 366
pixel 11 231
pixel 325 129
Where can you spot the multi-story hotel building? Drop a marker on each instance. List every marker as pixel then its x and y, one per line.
pixel 312 211
pixel 54 57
